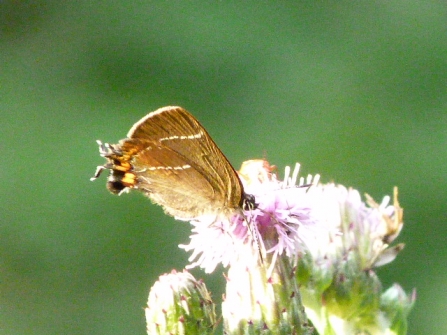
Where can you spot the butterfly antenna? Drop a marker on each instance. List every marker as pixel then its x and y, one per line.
pixel 248 205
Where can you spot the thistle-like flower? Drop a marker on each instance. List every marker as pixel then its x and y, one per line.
pixel 340 289
pixel 179 304
pixel 258 245
pixel 279 224
pixel 307 247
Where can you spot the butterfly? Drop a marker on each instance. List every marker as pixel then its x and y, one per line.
pixel 170 157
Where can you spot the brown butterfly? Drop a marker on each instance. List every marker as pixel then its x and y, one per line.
pixel 170 157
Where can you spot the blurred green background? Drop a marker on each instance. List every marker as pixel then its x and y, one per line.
pixel 356 91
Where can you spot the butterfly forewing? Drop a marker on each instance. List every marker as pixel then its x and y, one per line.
pixel 179 166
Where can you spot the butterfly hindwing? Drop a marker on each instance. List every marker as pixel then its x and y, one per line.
pixel 179 166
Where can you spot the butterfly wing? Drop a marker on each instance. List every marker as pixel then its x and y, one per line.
pixel 179 166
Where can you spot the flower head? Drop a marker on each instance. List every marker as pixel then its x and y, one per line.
pixel 339 287
pixel 277 225
pixel 179 304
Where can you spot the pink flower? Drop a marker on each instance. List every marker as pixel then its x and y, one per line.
pixel 277 225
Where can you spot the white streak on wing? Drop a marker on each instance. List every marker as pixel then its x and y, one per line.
pixel 183 167
pixel 184 137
